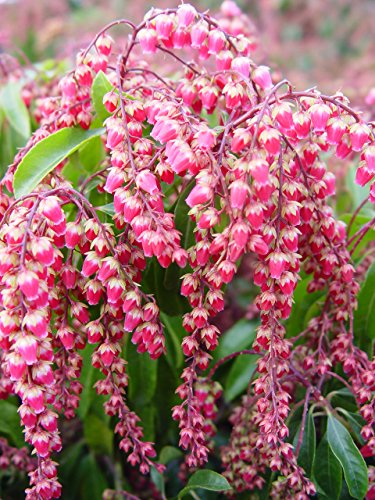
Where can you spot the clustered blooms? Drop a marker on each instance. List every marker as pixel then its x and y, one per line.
pixel 255 183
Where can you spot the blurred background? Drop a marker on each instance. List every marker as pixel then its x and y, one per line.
pixel 329 43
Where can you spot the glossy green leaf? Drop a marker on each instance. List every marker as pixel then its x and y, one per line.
pixel 364 316
pixel 100 86
pixel 10 424
pixel 327 471
pixel 239 375
pixel 206 480
pixel 240 336
pixel 351 460
pixel 142 371
pixel 306 456
pixel 47 154
pixel 15 110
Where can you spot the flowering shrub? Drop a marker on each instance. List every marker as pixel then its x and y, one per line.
pixel 125 218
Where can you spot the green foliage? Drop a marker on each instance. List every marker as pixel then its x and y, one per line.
pixel 364 317
pixel 206 480
pixel 47 154
pixel 346 452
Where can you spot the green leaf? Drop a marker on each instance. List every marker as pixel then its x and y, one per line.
pixel 174 333
pixel 91 479
pixel 327 471
pixel 100 86
pixel 158 480
pixel 15 110
pixel 47 154
pixel 240 336
pixel 142 371
pixel 169 453
pixel 10 423
pixel 98 435
pixel 306 456
pixel 89 376
pixel 108 209
pixel 352 462
pixel 206 480
pixel 239 375
pixel 303 302
pixel 364 316
pixel 182 220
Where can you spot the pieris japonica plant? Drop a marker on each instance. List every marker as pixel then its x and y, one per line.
pixel 164 169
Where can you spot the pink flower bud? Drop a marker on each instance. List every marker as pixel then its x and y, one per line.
pixel 52 210
pixel 29 284
pixel 238 194
pixel 319 113
pixel 186 14
pixel 199 33
pixel 216 41
pixel 148 40
pixel 147 181
pixel 35 399
pixel 164 26
pixel 198 195
pixel 359 134
pixel 241 65
pixel 262 77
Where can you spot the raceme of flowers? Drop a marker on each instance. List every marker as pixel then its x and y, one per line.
pixel 249 156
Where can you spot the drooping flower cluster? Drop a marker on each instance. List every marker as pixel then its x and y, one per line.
pixel 244 155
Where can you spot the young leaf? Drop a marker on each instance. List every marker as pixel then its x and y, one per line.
pixel 352 462
pixel 306 456
pixel 206 480
pixel 100 86
pixel 46 154
pixel 327 471
pixel 15 110
pixel 239 375
pixel 174 333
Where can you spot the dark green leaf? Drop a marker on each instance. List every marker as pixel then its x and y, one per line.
pixel 206 480
pixel 303 301
pixel 240 336
pixel 182 220
pixel 87 379
pixel 364 316
pixel 15 110
pixel 91 479
pixel 239 375
pixel 100 86
pixel 306 456
pixel 158 480
pixel 142 371
pixel 327 471
pixel 356 423
pixel 47 154
pixel 174 333
pixel 98 435
pixel 10 424
pixel 352 462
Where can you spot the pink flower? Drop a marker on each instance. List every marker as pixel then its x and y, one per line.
pixel 198 195
pixel 262 77
pixel 148 40
pixel 186 14
pixel 359 134
pixel 238 194
pixel 29 284
pixel 216 41
pixel 147 181
pixel 241 65
pixel 319 113
pixel 198 34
